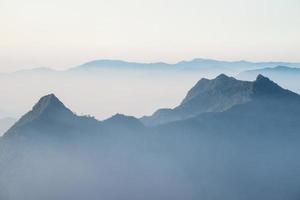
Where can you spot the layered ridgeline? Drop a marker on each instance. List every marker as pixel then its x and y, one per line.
pixel 224 99
pixel 278 71
pixel 50 118
pixel 195 64
pixel 228 140
pixel 286 76
pixel 218 95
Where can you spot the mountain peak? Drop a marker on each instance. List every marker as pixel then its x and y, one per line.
pixel 265 81
pixel 208 95
pixel 48 110
pixel 263 86
pixel 119 116
pixel 261 78
pixel 48 107
pixel 222 85
pixel 48 97
pixel 223 77
pixel 48 101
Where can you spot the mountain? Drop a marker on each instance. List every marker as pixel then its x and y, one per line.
pixel 50 117
pixel 122 122
pixel 208 66
pixel 119 64
pixel 273 72
pixel 214 95
pixel 195 64
pixel 268 108
pixel 286 76
pixel 207 97
pixel 212 65
pixel 237 140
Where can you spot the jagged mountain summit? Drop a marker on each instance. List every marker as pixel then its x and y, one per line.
pixel 48 115
pixel 51 118
pixel 216 95
pixel 48 107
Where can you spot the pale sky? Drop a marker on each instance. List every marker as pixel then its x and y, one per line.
pixel 65 33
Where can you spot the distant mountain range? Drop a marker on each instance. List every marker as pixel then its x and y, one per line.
pixel 227 140
pixel 96 75
pixel 278 71
pixel 195 64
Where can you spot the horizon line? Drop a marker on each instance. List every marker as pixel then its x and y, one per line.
pixel 156 62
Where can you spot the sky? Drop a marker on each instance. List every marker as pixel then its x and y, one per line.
pixel 66 33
